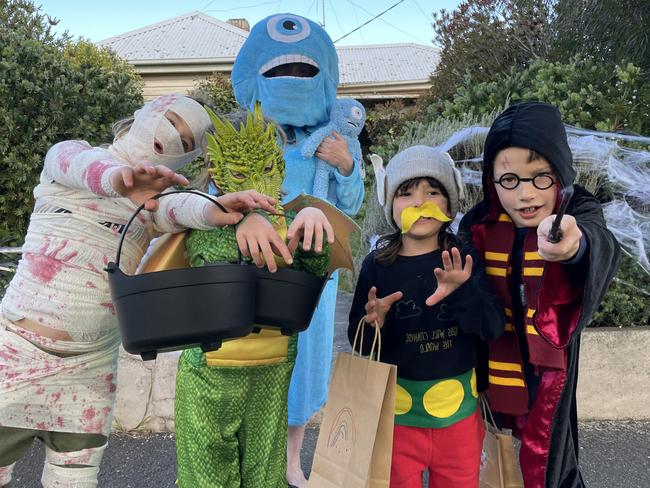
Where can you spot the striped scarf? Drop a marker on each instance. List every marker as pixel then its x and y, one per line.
pixel 508 391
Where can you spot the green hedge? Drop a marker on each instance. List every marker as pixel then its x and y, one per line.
pixel 50 90
pixel 589 95
pixel 626 302
pixel 216 91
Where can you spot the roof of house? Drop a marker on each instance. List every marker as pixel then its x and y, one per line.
pixel 200 37
pixel 386 63
pixel 194 35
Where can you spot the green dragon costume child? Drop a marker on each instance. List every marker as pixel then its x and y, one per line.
pixel 231 404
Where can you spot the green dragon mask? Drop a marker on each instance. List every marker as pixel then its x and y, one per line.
pixel 248 158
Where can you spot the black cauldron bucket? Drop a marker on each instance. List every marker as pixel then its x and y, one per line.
pixel 181 308
pixel 286 299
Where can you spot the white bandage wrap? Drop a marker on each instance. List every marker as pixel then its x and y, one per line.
pixel 45 392
pixel 5 474
pixel 62 477
pixel 86 457
pixel 150 126
pixel 73 234
pixel 58 472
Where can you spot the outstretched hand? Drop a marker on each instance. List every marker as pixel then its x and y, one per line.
pixel 258 240
pixel 236 203
pixel 377 308
pixel 247 200
pixel 451 277
pixel 140 183
pixel 567 247
pixel 310 224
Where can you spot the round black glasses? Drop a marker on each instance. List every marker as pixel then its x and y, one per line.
pixel 510 181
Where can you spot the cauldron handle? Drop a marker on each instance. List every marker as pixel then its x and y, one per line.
pixel 110 268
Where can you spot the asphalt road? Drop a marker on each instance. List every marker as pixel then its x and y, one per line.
pixel 614 454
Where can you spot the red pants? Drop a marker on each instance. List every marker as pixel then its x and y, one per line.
pixel 452 455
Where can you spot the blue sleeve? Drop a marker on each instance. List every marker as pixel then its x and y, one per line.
pixel 349 190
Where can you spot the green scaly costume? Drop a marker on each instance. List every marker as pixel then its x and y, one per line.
pixel 231 404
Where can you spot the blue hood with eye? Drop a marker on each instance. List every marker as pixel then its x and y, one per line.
pixel 282 39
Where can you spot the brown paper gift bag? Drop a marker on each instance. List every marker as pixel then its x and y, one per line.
pixel 355 442
pixel 499 466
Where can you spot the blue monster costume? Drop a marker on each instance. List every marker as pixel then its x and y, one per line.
pixel 301 105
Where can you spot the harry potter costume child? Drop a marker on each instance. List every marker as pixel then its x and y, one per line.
pixel 549 297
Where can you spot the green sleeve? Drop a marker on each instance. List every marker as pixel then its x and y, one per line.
pixel 212 246
pixel 220 245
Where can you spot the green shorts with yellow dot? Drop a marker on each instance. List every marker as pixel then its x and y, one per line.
pixel 231 423
pixel 435 403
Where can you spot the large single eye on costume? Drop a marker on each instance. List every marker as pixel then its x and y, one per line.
pixel 288 28
pixel 356 112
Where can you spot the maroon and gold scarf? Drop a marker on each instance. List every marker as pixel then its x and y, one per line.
pixel 508 391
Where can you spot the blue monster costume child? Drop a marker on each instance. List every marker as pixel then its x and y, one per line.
pixel 289 64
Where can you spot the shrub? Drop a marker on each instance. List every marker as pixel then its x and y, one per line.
pixel 385 124
pixel 216 91
pixel 602 29
pixel 51 90
pixel 485 38
pixel 588 94
pixel 626 301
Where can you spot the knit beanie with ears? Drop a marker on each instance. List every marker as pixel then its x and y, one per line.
pixel 419 162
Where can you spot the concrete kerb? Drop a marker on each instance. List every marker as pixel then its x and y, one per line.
pixel 613 382
pixel 614 375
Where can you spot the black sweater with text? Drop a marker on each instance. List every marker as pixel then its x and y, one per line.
pixel 427 343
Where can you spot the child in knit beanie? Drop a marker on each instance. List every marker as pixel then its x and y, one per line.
pixel 432 309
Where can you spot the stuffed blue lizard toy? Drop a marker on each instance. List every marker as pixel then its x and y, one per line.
pixel 347 118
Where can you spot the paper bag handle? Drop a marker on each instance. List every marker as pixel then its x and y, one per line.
pixel 487 412
pixel 375 342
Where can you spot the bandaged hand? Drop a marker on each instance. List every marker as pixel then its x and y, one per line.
pixel 452 276
pixel 334 150
pixel 310 225
pixel 377 308
pixel 258 240
pixel 568 245
pixel 237 203
pixel 143 181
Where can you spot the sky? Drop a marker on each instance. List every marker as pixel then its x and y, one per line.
pixel 408 21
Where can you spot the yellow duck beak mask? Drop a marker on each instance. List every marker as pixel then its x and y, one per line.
pixel 428 209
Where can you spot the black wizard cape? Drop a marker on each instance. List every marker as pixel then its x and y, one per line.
pixel 559 301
